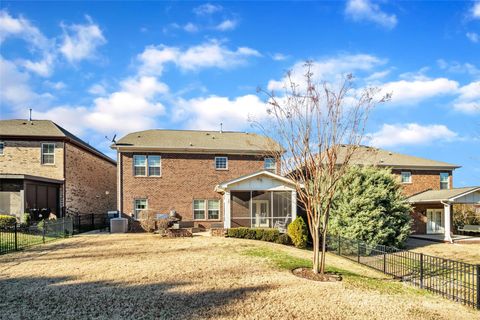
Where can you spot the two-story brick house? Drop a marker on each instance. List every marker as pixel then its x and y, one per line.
pixel 427 183
pixel 45 167
pixel 209 178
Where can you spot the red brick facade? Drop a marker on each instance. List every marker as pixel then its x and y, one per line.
pixel 423 180
pixel 184 177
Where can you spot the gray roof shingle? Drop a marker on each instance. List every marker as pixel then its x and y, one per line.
pixel 441 195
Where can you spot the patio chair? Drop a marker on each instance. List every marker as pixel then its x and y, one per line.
pixel 282 225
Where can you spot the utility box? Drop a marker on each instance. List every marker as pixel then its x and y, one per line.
pixel 118 225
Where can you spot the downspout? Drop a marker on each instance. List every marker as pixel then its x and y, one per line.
pixel 119 183
pixel 64 179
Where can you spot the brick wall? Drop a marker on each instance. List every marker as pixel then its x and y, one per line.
pixel 24 157
pixel 185 177
pixel 88 180
pixel 423 180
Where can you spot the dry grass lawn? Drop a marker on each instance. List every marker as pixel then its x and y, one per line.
pixel 469 253
pixel 141 276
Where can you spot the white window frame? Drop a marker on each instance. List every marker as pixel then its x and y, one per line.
pixel 48 154
pixel 145 165
pixel 448 180
pixel 274 169
pixel 159 166
pixel 226 163
pixel 204 209
pixel 135 216
pixel 409 176
pixel 208 209
pixel 2 149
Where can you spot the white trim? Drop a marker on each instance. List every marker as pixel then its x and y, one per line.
pixel 447 215
pixel 226 163
pixel 430 221
pixel 188 150
pixel 42 154
pixel 135 207
pixel 227 215
pixel 224 185
pixel 159 165
pixel 448 180
pixel 274 164
pixel 294 205
pixel 410 177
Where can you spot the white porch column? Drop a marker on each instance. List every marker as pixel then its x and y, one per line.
pixel 447 215
pixel 294 205
pixel 227 217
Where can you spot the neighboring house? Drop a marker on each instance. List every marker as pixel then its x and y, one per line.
pixel 43 166
pixel 209 178
pixel 428 184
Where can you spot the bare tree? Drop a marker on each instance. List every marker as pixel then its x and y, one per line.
pixel 320 126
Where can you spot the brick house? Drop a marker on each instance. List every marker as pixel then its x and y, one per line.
pixel 209 178
pixel 43 166
pixel 427 183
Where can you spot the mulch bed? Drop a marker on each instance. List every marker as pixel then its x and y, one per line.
pixel 307 273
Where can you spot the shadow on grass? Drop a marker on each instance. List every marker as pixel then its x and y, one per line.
pixel 62 297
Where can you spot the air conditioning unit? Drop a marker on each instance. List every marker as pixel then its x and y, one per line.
pixel 118 225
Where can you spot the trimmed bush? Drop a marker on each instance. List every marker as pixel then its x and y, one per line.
pixel 266 234
pixel 297 230
pixel 284 239
pixel 6 221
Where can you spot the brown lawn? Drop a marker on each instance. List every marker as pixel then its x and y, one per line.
pixel 142 276
pixel 469 253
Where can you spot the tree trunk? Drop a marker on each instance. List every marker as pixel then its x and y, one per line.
pixel 324 249
pixel 316 250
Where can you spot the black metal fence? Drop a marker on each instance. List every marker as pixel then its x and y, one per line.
pixel 89 222
pixel 452 279
pixel 18 236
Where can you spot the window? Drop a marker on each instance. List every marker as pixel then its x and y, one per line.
pixel 139 165
pixel 406 177
pixel 140 205
pixel 154 168
pixel 213 209
pixel 221 163
pixel 2 146
pixel 270 165
pixel 444 180
pixel 199 209
pixel 48 153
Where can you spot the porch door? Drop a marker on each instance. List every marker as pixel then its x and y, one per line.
pixel 435 223
pixel 260 213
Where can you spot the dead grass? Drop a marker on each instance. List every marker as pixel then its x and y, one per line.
pixel 469 253
pixel 141 276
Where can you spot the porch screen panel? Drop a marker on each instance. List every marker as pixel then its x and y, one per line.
pixel 240 210
pixel 282 206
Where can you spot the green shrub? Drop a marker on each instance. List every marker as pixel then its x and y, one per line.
pixel 284 239
pixel 41 225
pixel 267 234
pixel 26 219
pixel 6 221
pixel 297 230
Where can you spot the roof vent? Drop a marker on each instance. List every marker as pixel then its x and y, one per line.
pixel 381 160
pixel 191 144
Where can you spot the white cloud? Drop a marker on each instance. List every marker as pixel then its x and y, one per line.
pixel 22 28
pixel 190 27
pixel 80 41
pixel 456 67
pixel 207 113
pixel 207 55
pixel 468 100
pixel 473 36
pixel 377 75
pixel 226 25
pixel 475 11
pixel 329 69
pixel 410 134
pixel 411 92
pixel 97 90
pixel 365 10
pixel 56 85
pixel 71 118
pixel 207 9
pixel 279 57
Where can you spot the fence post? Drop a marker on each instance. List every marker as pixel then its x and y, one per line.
pixel 63 227
pixel 43 230
pixel 358 251
pixel 421 270
pixel 339 244
pixel 16 238
pixel 478 286
pixel 384 262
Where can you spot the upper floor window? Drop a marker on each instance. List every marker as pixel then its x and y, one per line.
pixel 48 153
pixel 406 177
pixel 154 168
pixel 144 166
pixel 2 146
pixel 444 180
pixel 140 205
pixel 270 164
pixel 221 163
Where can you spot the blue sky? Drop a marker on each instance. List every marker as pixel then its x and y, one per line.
pixel 107 68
